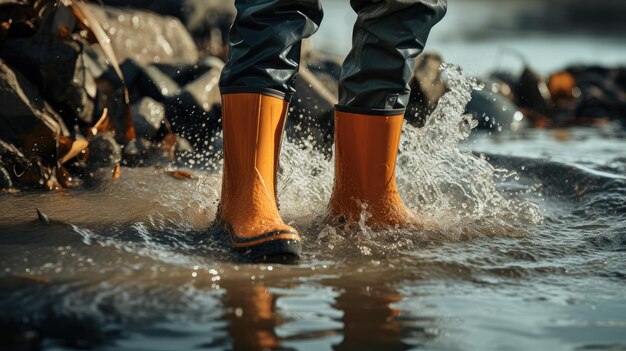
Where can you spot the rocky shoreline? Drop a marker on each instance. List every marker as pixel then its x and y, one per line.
pixel 134 83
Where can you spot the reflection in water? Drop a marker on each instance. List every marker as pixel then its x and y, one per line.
pixel 368 316
pixel 369 320
pixel 250 311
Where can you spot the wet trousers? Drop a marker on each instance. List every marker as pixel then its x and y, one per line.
pixel 265 42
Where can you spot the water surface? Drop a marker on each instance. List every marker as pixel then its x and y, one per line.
pixel 526 251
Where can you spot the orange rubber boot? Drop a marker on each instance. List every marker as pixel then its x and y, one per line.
pixel 366 147
pixel 252 129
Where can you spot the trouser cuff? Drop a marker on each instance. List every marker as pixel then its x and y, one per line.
pixel 370 111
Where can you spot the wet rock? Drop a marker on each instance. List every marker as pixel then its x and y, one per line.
pixel 311 111
pixel 183 146
pixel 164 39
pixel 600 92
pixel 61 71
pixel 104 151
pixel 5 179
pixel 184 74
pixel 148 80
pixel 157 84
pixel 29 124
pixel 494 112
pixel 43 218
pixel 326 68
pixel 148 117
pixel 142 152
pixel 504 83
pixel 208 21
pixel 426 88
pixel 23 171
pixel 194 113
pixel 533 93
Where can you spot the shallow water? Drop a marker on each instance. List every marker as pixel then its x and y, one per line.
pixel 526 251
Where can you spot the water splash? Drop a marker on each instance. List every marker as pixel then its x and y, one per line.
pixel 451 187
pixel 454 192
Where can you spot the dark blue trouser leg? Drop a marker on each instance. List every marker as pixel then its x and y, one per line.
pixel 265 41
pixel 388 35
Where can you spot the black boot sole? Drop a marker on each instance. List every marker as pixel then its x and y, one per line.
pixel 286 251
pixel 274 251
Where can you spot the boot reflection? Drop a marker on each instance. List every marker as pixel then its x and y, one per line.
pixel 251 316
pixel 369 320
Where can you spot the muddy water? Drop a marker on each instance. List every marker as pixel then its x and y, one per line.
pixel 524 248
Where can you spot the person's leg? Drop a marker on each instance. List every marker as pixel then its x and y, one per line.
pixel 256 85
pixel 265 41
pixel 373 94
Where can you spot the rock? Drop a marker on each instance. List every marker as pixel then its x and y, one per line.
pixel 148 117
pixel 533 93
pixel 146 80
pixel 43 218
pixel 311 112
pixel 504 83
pixel 183 146
pixel 208 21
pixel 184 74
pixel 60 69
pixel 426 88
pixel 29 124
pixel 5 179
pixel 600 92
pixel 104 151
pixel 142 152
pixel 23 171
pixel 195 112
pixel 326 68
pixel 157 84
pixel 494 112
pixel 164 39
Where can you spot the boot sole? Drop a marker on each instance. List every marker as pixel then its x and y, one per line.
pixel 278 250
pixel 273 251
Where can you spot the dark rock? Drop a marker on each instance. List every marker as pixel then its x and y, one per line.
pixel 156 84
pixel 23 171
pixel 148 117
pixel 5 179
pixel 164 39
pixel 426 88
pixel 326 68
pixel 533 93
pixel 148 80
pixel 184 74
pixel 504 83
pixel 104 151
pixel 141 152
pixel 42 217
pixel 601 92
pixel 494 112
pixel 195 112
pixel 29 123
pixel 208 21
pixel 311 112
pixel 61 71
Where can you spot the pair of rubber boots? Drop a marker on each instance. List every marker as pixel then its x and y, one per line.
pixel 365 157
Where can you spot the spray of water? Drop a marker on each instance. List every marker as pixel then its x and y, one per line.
pixel 452 191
